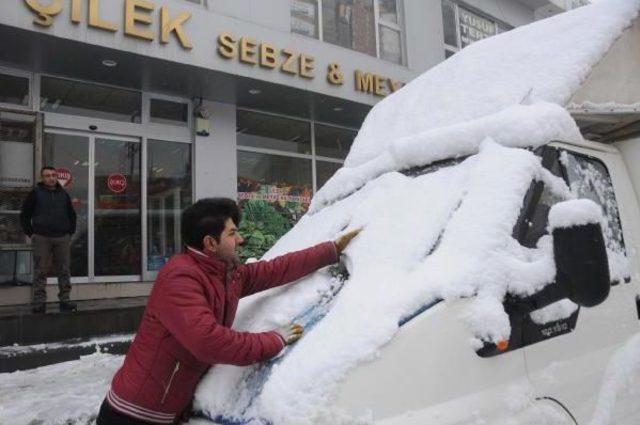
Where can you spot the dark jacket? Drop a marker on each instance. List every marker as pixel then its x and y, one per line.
pixel 186 328
pixel 48 212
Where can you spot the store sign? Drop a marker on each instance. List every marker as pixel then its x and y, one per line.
pixel 64 177
pixel 474 28
pixel 138 20
pixel 143 20
pixel 16 164
pixel 117 183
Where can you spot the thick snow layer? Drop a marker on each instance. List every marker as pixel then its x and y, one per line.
pixel 442 235
pixel 516 126
pixel 545 61
pixel 61 394
pixel 576 212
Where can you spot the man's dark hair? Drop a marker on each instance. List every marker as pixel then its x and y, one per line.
pixel 207 217
pixel 46 167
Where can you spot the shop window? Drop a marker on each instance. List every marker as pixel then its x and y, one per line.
pixel 333 142
pixel 324 171
pixel 304 17
pixel 14 90
pixel 272 132
pixel 390 45
pixel 168 112
pixel 16 180
pixel 474 27
pixel 90 100
pixel 274 192
pixel 168 193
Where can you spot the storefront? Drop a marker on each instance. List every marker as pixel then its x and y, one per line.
pixel 144 106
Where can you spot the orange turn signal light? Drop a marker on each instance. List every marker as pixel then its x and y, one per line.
pixel 503 345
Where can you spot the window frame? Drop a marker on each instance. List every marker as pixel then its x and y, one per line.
pixel 399 27
pixel 22 74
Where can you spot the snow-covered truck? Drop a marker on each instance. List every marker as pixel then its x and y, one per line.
pixel 496 278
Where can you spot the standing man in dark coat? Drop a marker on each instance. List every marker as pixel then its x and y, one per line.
pixel 187 325
pixel 49 219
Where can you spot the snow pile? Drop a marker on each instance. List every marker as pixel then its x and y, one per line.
pixel 442 235
pixel 620 378
pixel 576 212
pixel 556 311
pixel 516 126
pixel 542 62
pixel 64 393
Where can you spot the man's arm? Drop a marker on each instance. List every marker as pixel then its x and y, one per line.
pixel 72 215
pixel 287 268
pixel 183 309
pixel 28 206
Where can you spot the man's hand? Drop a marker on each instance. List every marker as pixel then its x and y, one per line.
pixel 344 240
pixel 291 333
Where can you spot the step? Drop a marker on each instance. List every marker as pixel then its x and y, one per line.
pixel 21 357
pixel 94 318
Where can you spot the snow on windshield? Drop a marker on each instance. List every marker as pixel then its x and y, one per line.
pixel 442 235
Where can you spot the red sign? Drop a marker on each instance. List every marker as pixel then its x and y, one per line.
pixel 64 177
pixel 117 183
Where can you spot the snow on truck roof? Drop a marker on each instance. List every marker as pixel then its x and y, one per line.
pixel 440 235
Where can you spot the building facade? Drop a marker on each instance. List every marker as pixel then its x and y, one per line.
pixel 144 106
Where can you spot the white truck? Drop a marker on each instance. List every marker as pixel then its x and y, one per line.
pixel 569 352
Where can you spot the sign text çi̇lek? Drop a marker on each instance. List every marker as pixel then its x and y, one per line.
pixel 138 18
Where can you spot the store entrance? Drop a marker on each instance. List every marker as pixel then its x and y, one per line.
pixel 102 175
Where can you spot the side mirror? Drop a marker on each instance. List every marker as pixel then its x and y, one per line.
pixel 582 267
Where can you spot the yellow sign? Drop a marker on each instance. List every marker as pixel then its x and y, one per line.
pixel 140 17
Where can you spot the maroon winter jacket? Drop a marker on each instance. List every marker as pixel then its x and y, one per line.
pixel 186 328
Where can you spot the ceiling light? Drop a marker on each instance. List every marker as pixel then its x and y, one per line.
pixel 109 63
pixel 338 108
pixel 255 91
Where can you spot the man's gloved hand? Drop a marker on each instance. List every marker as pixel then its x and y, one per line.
pixel 344 240
pixel 290 333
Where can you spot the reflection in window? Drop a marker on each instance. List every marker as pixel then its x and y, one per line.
pixel 390 45
pixel 449 23
pixel 324 171
pixel 90 100
pixel 14 90
pixel 274 192
pixel 350 24
pixel 168 193
pixel 304 17
pixel 272 132
pixel 333 142
pixel 168 112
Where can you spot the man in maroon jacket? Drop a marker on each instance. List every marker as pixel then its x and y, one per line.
pixel 186 326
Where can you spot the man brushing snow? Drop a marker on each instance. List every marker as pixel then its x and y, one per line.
pixel 186 326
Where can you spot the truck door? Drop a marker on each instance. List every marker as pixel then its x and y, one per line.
pixel 568 349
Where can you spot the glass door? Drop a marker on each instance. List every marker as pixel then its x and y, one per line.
pixel 117 217
pixel 102 176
